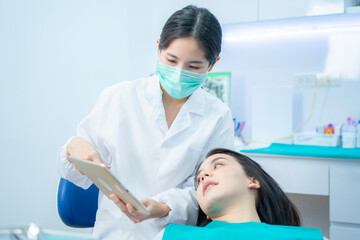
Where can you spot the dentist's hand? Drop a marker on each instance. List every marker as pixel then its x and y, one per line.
pixel 80 148
pixel 157 209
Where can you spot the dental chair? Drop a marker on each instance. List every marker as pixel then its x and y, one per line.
pixel 77 206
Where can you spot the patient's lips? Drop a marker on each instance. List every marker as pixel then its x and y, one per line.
pixel 208 185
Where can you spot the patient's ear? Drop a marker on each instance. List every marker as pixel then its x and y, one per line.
pixel 253 183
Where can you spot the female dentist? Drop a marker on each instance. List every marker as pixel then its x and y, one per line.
pixel 153 132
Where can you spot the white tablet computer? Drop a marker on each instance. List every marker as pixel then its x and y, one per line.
pixel 106 182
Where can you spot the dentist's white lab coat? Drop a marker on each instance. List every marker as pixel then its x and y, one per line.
pixel 128 128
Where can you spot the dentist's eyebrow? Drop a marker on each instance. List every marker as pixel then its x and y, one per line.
pixel 195 61
pixel 199 62
pixel 171 55
pixel 212 161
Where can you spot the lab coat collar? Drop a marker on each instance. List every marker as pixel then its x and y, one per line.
pixel 153 91
pixel 153 94
pixel 183 118
pixel 195 103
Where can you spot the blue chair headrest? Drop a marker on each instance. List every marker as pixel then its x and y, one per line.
pixel 77 206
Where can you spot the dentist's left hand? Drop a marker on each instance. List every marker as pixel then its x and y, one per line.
pixel 157 209
pixel 81 148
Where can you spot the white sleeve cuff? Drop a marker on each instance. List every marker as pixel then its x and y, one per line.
pixel 183 205
pixel 67 170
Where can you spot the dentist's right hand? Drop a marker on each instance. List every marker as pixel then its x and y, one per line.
pixel 81 148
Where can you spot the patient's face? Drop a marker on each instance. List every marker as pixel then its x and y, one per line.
pixel 221 183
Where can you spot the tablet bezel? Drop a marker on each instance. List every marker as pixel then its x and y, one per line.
pixel 99 174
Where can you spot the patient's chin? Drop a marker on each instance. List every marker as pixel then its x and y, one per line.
pixel 211 202
pixel 207 203
pixel 215 206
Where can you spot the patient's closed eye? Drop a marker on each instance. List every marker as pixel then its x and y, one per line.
pixel 197 180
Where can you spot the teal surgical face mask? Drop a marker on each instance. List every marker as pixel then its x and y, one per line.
pixel 177 82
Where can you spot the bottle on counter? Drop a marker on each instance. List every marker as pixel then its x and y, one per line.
pixel 358 135
pixel 348 134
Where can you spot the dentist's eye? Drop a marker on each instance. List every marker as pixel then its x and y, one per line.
pixel 195 68
pixel 172 61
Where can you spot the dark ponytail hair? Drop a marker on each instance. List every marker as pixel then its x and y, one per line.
pixel 198 23
pixel 272 205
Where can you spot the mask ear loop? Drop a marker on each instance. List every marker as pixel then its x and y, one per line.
pixel 158 42
pixel 203 83
pixel 217 59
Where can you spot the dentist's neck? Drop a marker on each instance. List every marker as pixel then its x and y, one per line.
pixel 169 100
pixel 172 106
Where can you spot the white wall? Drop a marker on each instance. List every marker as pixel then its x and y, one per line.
pixel 270 60
pixel 55 58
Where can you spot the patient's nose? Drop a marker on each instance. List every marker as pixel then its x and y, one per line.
pixel 203 177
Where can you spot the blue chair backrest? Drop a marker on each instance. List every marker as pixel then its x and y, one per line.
pixel 77 206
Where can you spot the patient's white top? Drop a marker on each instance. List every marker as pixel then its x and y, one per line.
pixel 128 128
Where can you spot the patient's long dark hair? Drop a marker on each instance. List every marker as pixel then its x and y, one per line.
pixel 272 205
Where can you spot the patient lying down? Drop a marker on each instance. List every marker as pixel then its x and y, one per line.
pixel 239 200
